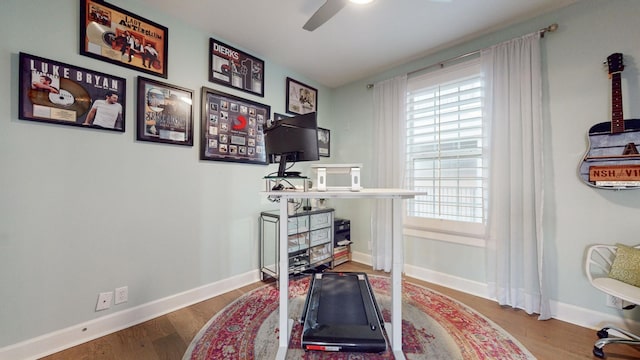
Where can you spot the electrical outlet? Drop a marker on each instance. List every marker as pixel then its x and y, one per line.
pixel 614 302
pixel 122 295
pixel 104 300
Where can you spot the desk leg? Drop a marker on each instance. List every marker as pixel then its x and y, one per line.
pixel 283 282
pixel 396 279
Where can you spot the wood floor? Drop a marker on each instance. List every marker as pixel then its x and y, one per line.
pixel 167 337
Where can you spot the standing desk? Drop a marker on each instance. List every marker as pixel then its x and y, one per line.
pixel 397 196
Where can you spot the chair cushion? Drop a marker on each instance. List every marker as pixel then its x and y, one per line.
pixel 626 265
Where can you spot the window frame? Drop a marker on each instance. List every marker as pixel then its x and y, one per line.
pixel 461 232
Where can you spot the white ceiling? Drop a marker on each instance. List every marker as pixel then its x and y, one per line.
pixel 360 40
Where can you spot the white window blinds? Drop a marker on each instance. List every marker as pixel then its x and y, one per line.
pixel 444 144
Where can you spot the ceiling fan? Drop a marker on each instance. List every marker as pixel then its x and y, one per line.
pixel 324 13
pixel 330 8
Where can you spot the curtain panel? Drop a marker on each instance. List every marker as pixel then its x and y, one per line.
pixel 389 132
pixel 513 106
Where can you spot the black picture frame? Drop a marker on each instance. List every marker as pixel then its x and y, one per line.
pixel 301 98
pixel 236 69
pixel 57 93
pixel 109 33
pixel 278 116
pixel 232 128
pixel 324 142
pixel 165 113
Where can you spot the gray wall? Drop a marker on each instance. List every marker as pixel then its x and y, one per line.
pixel 85 211
pixel 576 96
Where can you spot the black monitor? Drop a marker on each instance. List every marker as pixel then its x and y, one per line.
pixel 291 140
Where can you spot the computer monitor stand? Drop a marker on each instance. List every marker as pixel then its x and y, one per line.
pixel 323 170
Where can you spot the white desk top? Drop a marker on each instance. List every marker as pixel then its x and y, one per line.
pixel 335 166
pixel 364 193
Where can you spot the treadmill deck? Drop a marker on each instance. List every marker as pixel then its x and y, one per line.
pixel 341 314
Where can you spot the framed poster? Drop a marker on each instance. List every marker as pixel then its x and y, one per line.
pixel 324 142
pixel 165 113
pixel 301 98
pixel 232 128
pixel 112 34
pixel 231 67
pixel 57 93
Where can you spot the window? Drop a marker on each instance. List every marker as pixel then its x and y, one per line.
pixel 444 153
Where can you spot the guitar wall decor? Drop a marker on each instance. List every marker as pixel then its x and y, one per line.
pixel 613 160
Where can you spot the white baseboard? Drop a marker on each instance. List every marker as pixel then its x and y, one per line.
pixel 460 284
pixel 592 319
pixel 65 338
pixel 362 258
pixel 565 312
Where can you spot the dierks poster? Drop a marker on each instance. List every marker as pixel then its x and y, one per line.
pixel 233 68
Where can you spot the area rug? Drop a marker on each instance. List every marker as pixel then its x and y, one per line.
pixel 434 326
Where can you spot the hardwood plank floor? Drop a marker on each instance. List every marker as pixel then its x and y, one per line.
pixel 167 337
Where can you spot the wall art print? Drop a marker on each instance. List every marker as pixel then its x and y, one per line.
pixel 301 99
pixel 120 37
pixel 58 93
pixel 232 128
pixel 165 113
pixel 324 142
pixel 231 67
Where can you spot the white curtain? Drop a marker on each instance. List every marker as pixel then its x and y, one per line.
pixel 389 108
pixel 512 72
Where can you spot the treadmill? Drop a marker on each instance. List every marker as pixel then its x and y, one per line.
pixel 341 314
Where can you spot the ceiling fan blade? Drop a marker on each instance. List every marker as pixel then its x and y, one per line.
pixel 324 13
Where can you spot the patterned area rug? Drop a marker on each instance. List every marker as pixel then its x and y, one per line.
pixel 434 326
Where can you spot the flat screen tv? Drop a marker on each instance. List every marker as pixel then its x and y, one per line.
pixel 292 140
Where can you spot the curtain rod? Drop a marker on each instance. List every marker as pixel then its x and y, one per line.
pixel 551 28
